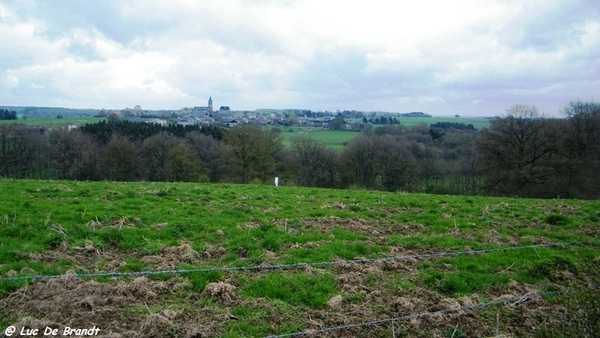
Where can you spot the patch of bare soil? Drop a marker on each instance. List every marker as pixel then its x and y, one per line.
pixel 76 303
pixel 119 222
pixel 87 258
pixel 255 223
pixel 97 260
pixel 212 252
pixel 124 309
pixel 368 292
pixel 399 259
pixel 391 210
pixel 366 296
pixel 90 259
pixel 375 228
pixel 138 308
pixel 425 313
pixel 220 292
pixel 495 237
pixel 171 257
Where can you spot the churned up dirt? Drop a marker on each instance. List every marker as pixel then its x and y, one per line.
pixel 174 307
pixel 144 307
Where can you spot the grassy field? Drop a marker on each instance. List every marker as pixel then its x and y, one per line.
pixel 237 249
pixel 54 122
pixel 334 139
pixel 477 122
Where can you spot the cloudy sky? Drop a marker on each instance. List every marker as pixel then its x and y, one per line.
pixel 469 57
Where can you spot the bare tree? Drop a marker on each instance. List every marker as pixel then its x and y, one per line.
pixel 357 165
pixel 22 149
pixel 156 157
pixel 250 153
pixel 580 150
pixel 515 152
pixel 394 163
pixel 119 160
pixel 208 151
pixel 271 146
pixel 185 166
pixel 71 155
pixel 314 164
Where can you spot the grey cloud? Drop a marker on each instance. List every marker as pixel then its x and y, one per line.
pixel 104 16
pixel 246 59
pixel 85 51
pixel 552 26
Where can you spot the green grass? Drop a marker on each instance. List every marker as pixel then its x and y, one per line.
pixel 302 289
pixel 333 139
pixel 477 122
pixel 336 139
pixel 54 122
pixel 51 227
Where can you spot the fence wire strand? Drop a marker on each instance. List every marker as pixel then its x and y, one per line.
pixel 281 266
pixel 515 300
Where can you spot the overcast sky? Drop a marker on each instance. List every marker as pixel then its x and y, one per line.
pixel 469 57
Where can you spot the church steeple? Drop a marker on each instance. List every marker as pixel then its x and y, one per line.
pixel 210 104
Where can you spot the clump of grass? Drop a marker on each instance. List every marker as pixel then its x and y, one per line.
pixel 557 220
pixel 545 268
pixel 133 265
pixel 110 238
pixel 581 305
pixel 302 289
pixel 251 322
pixel 455 333
pixel 271 237
pixel 53 240
pixel 454 284
pixel 200 280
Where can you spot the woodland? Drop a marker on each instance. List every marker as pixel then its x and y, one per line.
pixel 521 154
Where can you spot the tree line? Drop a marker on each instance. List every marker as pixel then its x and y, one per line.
pixel 8 115
pixel 526 154
pixel 520 154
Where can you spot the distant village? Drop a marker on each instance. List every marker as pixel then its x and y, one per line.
pixel 224 116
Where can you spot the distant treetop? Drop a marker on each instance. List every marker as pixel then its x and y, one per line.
pixel 8 115
pixel 415 114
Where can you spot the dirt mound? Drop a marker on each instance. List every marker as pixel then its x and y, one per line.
pixel 171 257
pixel 351 282
pixel 358 225
pixel 156 325
pixel 126 308
pixel 335 301
pixel 220 292
pixel 77 303
pixel 495 237
pixel 212 252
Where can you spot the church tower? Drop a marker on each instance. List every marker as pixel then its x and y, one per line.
pixel 210 104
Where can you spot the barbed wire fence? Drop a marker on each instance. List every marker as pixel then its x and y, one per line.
pixel 284 266
pixel 515 300
pixel 329 330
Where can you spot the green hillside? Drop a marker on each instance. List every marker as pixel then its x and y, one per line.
pixel 191 260
pixel 53 122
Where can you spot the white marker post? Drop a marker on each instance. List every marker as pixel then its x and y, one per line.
pixel 276 181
